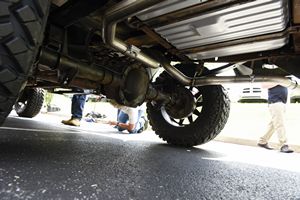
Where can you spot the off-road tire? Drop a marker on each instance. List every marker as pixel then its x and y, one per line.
pixel 32 102
pixel 21 26
pixel 210 122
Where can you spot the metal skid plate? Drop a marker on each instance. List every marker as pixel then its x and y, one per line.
pixel 239 21
pixel 242 48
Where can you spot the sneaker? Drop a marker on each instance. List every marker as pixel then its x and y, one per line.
pixel 71 122
pixel 146 124
pixel 285 149
pixel 266 146
pixel 140 130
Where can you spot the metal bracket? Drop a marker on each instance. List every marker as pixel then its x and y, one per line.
pixel 252 78
pixel 66 76
pixel 133 50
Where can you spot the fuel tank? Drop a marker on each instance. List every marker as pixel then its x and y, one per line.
pixel 244 20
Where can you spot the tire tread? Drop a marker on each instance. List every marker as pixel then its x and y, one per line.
pixel 34 103
pixel 206 128
pixel 21 22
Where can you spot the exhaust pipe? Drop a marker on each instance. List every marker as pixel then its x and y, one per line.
pixel 82 70
pixel 158 96
pixel 124 10
pixel 219 80
pixel 117 13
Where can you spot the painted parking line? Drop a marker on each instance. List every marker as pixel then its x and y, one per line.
pixel 39 130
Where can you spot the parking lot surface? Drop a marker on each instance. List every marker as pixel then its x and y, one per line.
pixel 42 159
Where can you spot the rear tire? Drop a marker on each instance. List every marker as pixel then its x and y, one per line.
pixel 30 103
pixel 22 26
pixel 206 122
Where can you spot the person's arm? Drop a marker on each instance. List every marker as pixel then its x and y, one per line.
pixel 129 127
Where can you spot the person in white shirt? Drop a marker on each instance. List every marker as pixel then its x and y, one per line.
pixel 131 119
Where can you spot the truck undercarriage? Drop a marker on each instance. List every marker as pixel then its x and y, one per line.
pixel 116 48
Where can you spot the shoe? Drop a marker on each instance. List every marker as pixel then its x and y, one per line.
pixel 146 124
pixel 71 122
pixel 266 146
pixel 140 130
pixel 285 149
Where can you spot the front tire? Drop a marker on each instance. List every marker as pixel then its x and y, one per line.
pixel 206 122
pixel 30 103
pixel 22 26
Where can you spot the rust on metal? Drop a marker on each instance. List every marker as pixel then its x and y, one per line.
pixel 156 37
pixel 296 20
pixel 296 38
pixel 140 40
pixel 296 13
pixel 152 37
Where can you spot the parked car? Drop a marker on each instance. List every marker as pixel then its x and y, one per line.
pixel 295 96
pixel 253 94
pixel 115 47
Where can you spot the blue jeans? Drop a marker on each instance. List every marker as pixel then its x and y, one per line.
pixel 78 101
pixel 124 118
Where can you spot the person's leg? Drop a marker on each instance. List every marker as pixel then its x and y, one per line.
pixel 266 137
pixel 77 106
pixel 78 102
pixel 278 112
pixel 270 129
pixel 139 126
pixel 122 118
pixel 118 112
pixel 280 128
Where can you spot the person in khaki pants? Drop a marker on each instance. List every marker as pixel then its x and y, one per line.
pixel 277 98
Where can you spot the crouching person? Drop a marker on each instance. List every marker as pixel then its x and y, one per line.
pixel 131 119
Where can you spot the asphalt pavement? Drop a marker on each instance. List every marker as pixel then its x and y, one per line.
pixel 42 159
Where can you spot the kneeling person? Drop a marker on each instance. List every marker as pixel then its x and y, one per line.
pixel 131 119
